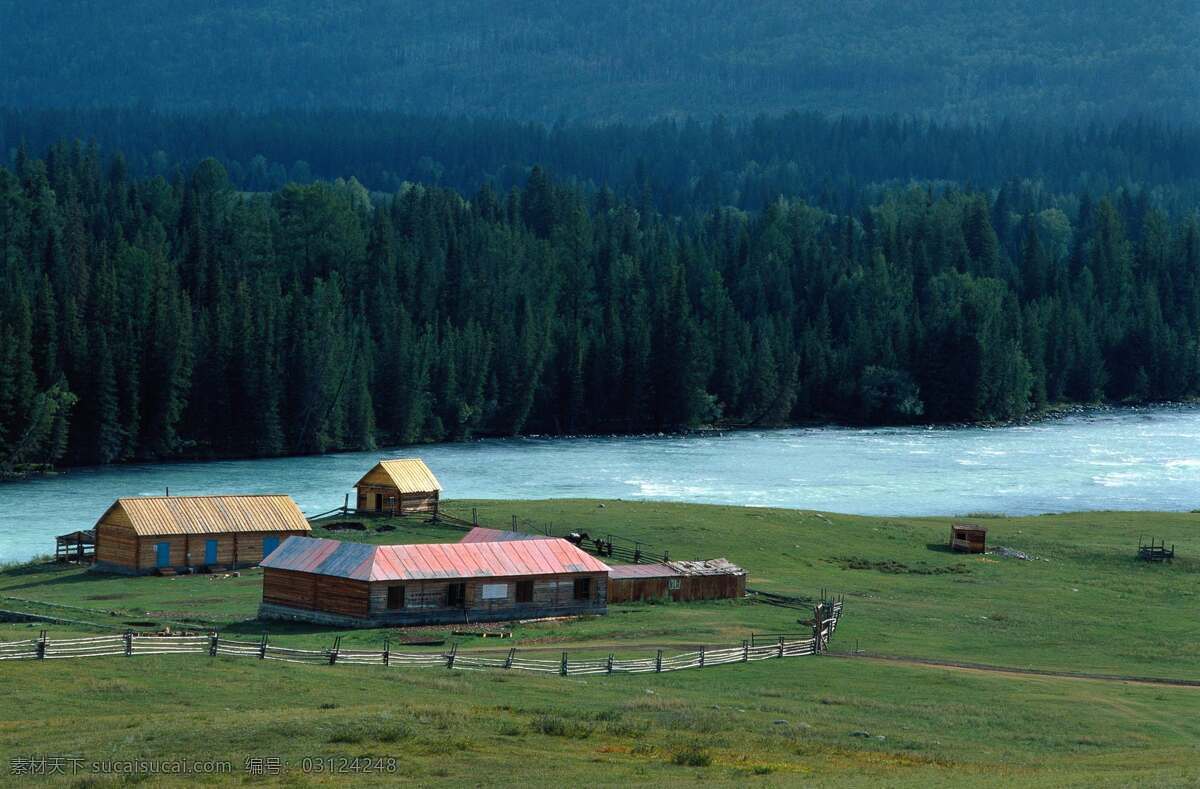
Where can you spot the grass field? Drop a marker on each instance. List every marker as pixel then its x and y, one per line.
pixel 1086 605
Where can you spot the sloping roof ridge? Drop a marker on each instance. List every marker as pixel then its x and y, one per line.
pixel 204 496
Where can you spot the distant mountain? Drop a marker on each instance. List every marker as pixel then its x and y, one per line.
pixel 616 60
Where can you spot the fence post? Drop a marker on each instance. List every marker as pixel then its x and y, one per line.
pixel 387 652
pixel 262 648
pixel 745 650
pixel 212 644
pixel 128 643
pixel 333 651
pixel 819 628
pixel 701 657
pixel 610 662
pixel 658 661
pixel 563 669
pixel 450 655
pixel 781 646
pixel 512 653
pixel 41 645
pixel 637 555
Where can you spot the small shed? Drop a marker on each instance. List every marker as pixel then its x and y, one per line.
pixel 78 546
pixel 681 581
pixel 349 584
pixel 968 538
pixel 398 487
pixel 168 534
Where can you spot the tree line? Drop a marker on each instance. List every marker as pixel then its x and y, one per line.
pixel 841 164
pixel 153 317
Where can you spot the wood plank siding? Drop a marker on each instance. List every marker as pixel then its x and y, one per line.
pixel 199 532
pixel 313 597
pixel 398 486
pixel 680 588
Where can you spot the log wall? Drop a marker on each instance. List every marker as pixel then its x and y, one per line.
pixel 425 602
pixel 691 587
pixel 406 502
pixel 124 549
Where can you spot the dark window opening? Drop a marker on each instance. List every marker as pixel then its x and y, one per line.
pixel 456 595
pixel 524 591
pixel 379 502
pixel 395 597
pixel 583 588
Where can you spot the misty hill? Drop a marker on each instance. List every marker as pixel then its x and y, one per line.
pixel 609 61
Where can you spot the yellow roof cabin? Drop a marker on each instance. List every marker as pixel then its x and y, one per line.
pixel 407 475
pixel 151 516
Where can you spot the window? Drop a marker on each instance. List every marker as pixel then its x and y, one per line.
pixel 583 588
pixel 395 597
pixel 524 591
pixel 456 595
pixel 672 583
pixel 494 592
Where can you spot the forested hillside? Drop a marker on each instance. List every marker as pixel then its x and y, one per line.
pixel 1058 60
pixel 841 164
pixel 155 318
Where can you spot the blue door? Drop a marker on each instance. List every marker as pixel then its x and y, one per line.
pixel 269 544
pixel 162 554
pixel 210 552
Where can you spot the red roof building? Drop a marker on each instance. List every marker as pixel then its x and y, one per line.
pixel 348 584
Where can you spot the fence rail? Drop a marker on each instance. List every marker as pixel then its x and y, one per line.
pixel 129 644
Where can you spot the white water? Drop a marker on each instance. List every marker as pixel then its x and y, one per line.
pixel 1143 459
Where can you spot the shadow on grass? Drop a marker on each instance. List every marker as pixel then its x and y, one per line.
pixel 65 579
pixel 938 547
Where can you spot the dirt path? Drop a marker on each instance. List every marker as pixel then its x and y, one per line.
pixel 990 669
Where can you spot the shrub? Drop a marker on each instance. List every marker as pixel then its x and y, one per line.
pixel 691 756
pixel 554 726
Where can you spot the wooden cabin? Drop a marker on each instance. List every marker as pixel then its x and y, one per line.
pixel 169 534
pixel 349 584
pixel 398 487
pixel 968 538
pixel 680 581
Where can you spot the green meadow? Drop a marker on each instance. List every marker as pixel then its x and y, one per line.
pixel 1084 604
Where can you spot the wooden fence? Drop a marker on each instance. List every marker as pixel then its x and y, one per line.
pixel 215 645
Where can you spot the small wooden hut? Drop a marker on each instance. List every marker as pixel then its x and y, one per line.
pixel 968 538
pixel 398 487
pixel 349 584
pixel 167 534
pixel 679 581
pixel 78 546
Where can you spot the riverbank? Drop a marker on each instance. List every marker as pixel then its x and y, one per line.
pixel 1085 604
pixel 1049 414
pixel 1148 459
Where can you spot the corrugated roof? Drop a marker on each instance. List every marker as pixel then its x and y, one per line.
pixel 409 475
pixel 672 569
pixel 482 534
pixel 165 515
pixel 422 562
pixel 619 572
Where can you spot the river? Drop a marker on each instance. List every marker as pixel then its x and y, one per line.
pixel 1123 459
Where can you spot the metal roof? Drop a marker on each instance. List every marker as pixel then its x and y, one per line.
pixel 620 572
pixel 483 534
pixel 673 569
pixel 150 516
pixel 423 562
pixel 408 475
